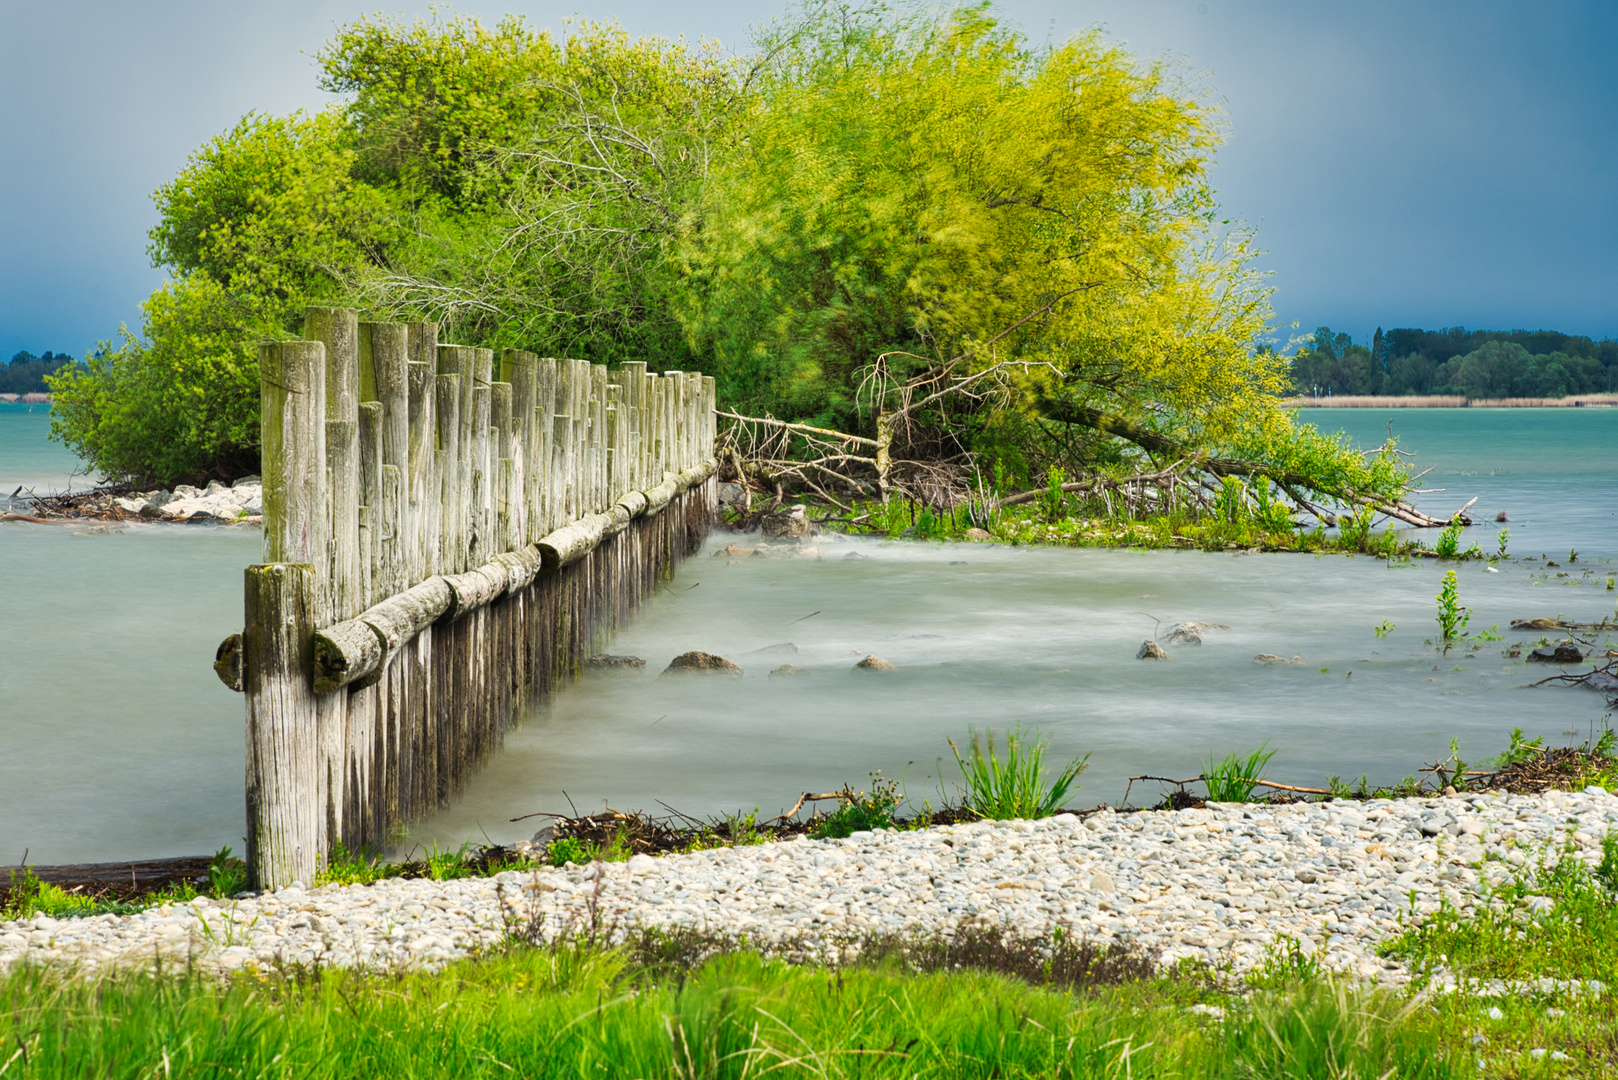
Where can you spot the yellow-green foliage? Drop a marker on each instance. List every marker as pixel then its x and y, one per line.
pixel 923 183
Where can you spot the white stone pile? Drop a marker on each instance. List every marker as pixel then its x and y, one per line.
pixel 1224 884
pixel 240 501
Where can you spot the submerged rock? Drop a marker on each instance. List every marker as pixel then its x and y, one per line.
pixel 700 662
pixel 608 662
pixel 1535 624
pixel 788 670
pixel 1271 658
pixel 1563 652
pixel 1151 650
pixel 874 663
pixel 1190 633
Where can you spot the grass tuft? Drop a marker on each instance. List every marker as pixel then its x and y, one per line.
pixel 1015 786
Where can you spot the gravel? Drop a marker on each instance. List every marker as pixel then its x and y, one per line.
pixel 1222 884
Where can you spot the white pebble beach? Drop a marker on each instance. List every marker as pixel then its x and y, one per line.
pixel 1221 884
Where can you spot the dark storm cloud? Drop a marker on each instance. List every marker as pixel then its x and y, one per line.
pixel 1406 163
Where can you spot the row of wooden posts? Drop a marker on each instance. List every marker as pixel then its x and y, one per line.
pixel 447 534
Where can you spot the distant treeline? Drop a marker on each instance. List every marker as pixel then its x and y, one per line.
pixel 1471 363
pixel 25 374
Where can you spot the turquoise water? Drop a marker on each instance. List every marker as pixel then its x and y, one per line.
pixel 116 740
pixel 27 456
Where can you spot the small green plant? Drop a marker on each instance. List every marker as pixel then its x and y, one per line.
pixel 1520 749
pixel 1234 778
pixel 1269 512
pixel 1229 503
pixel 1286 964
pixel 1384 628
pixel 1054 502
pixel 1501 541
pixel 1355 529
pixel 569 849
pixel 1452 617
pixel 1491 634
pixel 1014 787
pixel 29 896
pixel 1572 556
pixel 1449 541
pixel 227 875
pixel 861 811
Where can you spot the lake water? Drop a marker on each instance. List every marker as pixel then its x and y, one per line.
pixel 116 740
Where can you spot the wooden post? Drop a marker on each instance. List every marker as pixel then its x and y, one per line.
pixel 370 497
pixel 521 370
pixel 452 537
pixel 283 820
pixel 293 452
pixel 544 462
pixel 338 330
pixel 384 375
pixel 505 505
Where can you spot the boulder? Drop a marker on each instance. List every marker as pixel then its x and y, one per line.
pixel 695 662
pixel 131 506
pixel 790 524
pixel 874 663
pixel 1563 652
pixel 186 491
pixel 608 662
pixel 854 556
pixel 979 534
pixel 788 671
pixel 732 496
pixel 1151 650
pixel 214 488
pixel 256 481
pixel 1271 658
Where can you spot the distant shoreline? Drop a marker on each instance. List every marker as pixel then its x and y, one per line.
pixel 26 399
pixel 1444 401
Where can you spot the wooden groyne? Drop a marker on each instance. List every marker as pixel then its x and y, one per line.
pixel 447 534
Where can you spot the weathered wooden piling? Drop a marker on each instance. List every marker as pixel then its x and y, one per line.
pixel 446 538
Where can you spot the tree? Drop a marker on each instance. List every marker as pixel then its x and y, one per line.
pixel 540 180
pixel 923 188
pixel 180 403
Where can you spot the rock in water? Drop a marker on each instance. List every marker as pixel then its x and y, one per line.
pixel 608 662
pixel 1563 652
pixel 1151 650
pixel 874 663
pixel 1271 658
pixel 788 671
pixel 979 534
pixel 701 662
pixel 785 648
pixel 1191 633
pixel 1535 624
pixel 790 524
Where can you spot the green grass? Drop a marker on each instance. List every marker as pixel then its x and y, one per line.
pixel 579 1010
pixel 1234 778
pixel 1014 786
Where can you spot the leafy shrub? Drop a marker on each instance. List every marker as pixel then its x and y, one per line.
pixel 1015 787
pixel 180 403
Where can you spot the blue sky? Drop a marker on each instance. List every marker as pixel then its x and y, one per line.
pixel 1407 162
